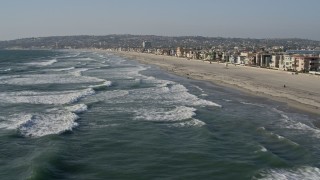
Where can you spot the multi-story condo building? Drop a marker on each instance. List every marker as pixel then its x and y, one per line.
pixel 286 63
pixel 275 61
pixel 314 64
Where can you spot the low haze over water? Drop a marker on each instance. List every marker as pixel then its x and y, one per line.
pixel 93 115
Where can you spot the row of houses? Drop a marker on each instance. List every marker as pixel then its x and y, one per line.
pixel 286 61
pixel 282 61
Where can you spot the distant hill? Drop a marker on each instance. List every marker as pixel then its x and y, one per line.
pixel 135 41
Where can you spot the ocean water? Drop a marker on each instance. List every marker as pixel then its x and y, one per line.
pixel 89 115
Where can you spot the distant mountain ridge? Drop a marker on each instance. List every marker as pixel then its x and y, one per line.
pixel 135 41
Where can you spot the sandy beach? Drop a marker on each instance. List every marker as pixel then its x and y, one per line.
pixel 301 91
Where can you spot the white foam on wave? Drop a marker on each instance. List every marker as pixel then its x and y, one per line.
pixel 261 149
pixel 284 116
pixel 252 104
pixel 62 69
pixel 105 84
pixel 190 123
pixel 83 59
pixel 170 93
pixel 38 124
pixel 277 136
pixel 6 70
pixel 162 115
pixel 181 94
pixel 305 128
pixel 200 89
pixel 78 71
pixel 48 79
pixel 59 97
pixel 41 124
pixel 299 173
pixel 78 108
pixel 181 116
pixel 42 63
pixel 291 123
pixel 45 124
pixel 14 121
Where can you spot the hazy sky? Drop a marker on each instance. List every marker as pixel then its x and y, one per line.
pixel 224 18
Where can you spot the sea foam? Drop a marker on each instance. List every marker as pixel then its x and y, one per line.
pixel 14 121
pixel 172 94
pixel 78 108
pixel 48 79
pixel 45 124
pixel 252 104
pixel 41 124
pixel 162 115
pixel 189 123
pixel 42 63
pixel 6 70
pixel 305 173
pixel 105 84
pixel 31 97
pixel 62 69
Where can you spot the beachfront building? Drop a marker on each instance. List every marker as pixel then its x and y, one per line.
pixel 225 57
pixel 242 58
pixel 190 54
pixel 275 61
pixel 306 63
pixel 314 64
pixel 252 59
pixel 233 58
pixel 212 55
pixel 263 60
pixel 172 52
pixel 204 55
pixel 247 58
pixel 301 63
pixel 286 63
pixel 179 52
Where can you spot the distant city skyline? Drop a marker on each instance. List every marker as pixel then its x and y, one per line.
pixel 211 18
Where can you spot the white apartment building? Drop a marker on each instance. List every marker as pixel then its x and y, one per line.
pixel 286 63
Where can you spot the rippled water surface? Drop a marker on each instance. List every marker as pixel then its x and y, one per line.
pixel 93 115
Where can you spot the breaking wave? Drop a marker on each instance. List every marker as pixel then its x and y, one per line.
pixel 31 97
pixel 177 114
pixel 299 173
pixel 191 123
pixel 42 63
pixel 105 84
pixel 48 79
pixel 63 69
pixel 41 124
pixel 78 108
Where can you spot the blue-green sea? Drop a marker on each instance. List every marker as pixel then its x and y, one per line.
pixel 93 115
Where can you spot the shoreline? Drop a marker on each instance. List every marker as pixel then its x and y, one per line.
pixel 301 92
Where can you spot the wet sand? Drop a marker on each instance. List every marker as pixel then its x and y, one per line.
pixel 301 91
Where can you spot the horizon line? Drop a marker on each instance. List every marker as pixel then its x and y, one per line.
pixel 123 34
